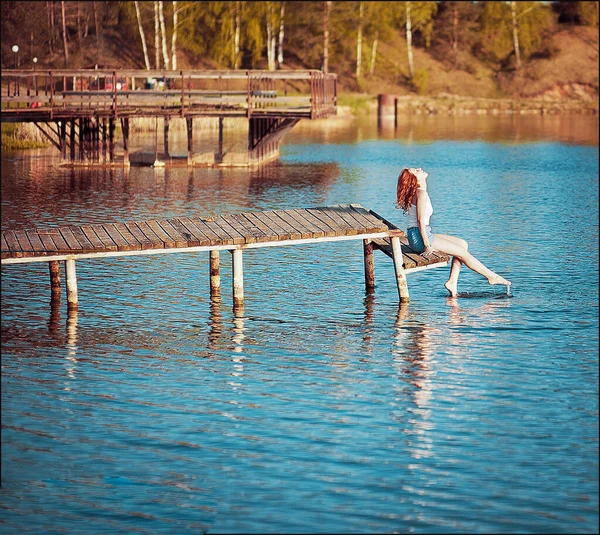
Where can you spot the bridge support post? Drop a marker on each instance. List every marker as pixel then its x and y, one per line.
pixel 215 277
pixel 125 127
pixel 72 141
pixel 399 269
pixel 81 138
pixel 62 129
pixel 104 139
pixel 111 139
pixel 54 266
pixel 219 158
pixel 166 137
pixel 369 266
pixel 190 129
pixel 238 278
pixel 71 277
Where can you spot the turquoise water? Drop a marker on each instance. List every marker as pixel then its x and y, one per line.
pixel 318 408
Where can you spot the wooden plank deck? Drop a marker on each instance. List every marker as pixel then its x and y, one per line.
pixel 233 232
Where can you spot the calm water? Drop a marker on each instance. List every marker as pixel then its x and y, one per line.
pixel 318 408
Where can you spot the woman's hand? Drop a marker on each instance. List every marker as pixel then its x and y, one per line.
pixel 427 252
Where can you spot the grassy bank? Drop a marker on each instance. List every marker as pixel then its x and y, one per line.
pixel 20 136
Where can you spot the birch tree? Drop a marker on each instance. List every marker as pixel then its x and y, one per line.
pixel 270 36
pixel 236 35
pixel 515 29
pixel 281 34
pixel 163 34
pixel 156 36
pixel 64 33
pixel 326 12
pixel 142 37
pixel 411 65
pixel 359 40
pixel 174 37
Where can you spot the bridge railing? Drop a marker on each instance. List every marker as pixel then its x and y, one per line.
pixel 307 93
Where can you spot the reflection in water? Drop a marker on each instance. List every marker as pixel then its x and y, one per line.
pixel 215 322
pixel 54 319
pixel 72 318
pixel 238 329
pixel 368 330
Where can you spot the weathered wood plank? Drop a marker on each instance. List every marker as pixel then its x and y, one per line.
pixel 72 242
pixel 80 236
pixel 58 240
pixel 325 222
pixel 248 236
pixel 92 237
pixel 179 239
pixel 160 232
pixel 318 229
pixel 145 243
pixel 215 233
pixel 157 242
pixel 275 220
pixel 270 234
pixel 191 240
pixel 35 241
pixel 369 224
pixel 121 243
pixel 128 236
pixel 13 244
pixel 249 227
pixel 5 248
pixel 296 222
pixel 347 229
pixel 46 239
pixel 273 226
pixel 339 213
pixel 196 230
pixel 238 237
pixel 24 242
pixel 107 243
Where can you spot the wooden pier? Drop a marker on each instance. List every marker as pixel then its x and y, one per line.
pixel 77 111
pixel 228 232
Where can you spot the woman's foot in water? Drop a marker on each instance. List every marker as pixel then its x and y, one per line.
pixel 451 286
pixel 497 279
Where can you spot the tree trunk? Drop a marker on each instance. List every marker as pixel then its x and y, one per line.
pixel 513 10
pixel 156 36
pixel 326 10
pixel 236 37
pixel 64 32
pixel 270 58
pixel 97 28
pixel 359 41
pixel 455 32
pixel 174 37
pixel 142 36
pixel 374 53
pixel 163 34
pixel 78 26
pixel 411 66
pixel 281 32
pixel 50 10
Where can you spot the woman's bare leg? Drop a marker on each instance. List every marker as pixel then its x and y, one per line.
pixel 450 247
pixel 452 283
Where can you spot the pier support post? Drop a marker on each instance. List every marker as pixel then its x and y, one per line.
pixel 71 277
pixel 125 127
pixel 72 134
pixel 369 265
pixel 215 277
pixel 166 137
pixel 189 123
pixel 238 278
pixel 111 139
pixel 399 269
pixel 219 158
pixel 62 126
pixel 54 280
pixel 104 139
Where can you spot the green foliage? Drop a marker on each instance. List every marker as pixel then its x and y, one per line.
pixel 420 81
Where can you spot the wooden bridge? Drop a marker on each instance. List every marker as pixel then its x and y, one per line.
pixel 77 110
pixel 232 232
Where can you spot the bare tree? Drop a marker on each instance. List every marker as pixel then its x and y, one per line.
pixel 374 52
pixel 163 34
pixel 513 10
pixel 50 11
pixel 97 27
pixel 156 37
pixel 79 32
pixel 281 33
pixel 64 32
pixel 174 37
pixel 236 36
pixel 359 40
pixel 270 37
pixel 142 36
pixel 411 66
pixel 326 11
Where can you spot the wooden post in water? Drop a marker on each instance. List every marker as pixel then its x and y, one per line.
pixel 215 277
pixel 104 139
pixel 369 266
pixel 72 147
pixel 399 269
pixel 62 126
pixel 111 139
pixel 238 278
pixel 54 280
pixel 189 123
pixel 220 153
pixel 71 277
pixel 166 137
pixel 125 127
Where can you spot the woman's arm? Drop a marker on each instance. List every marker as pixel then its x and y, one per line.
pixel 421 207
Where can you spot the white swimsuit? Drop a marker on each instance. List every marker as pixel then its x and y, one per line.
pixel 412 212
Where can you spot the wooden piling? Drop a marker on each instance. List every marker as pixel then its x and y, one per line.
pixel 189 124
pixel 104 139
pixel 54 266
pixel 71 277
pixel 369 265
pixel 219 158
pixel 72 135
pixel 125 127
pixel 166 137
pixel 111 139
pixel 399 269
pixel 62 128
pixel 215 277
pixel 238 278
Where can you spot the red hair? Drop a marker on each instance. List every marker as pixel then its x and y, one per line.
pixel 406 189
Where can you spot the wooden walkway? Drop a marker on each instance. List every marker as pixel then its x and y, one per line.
pixel 233 232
